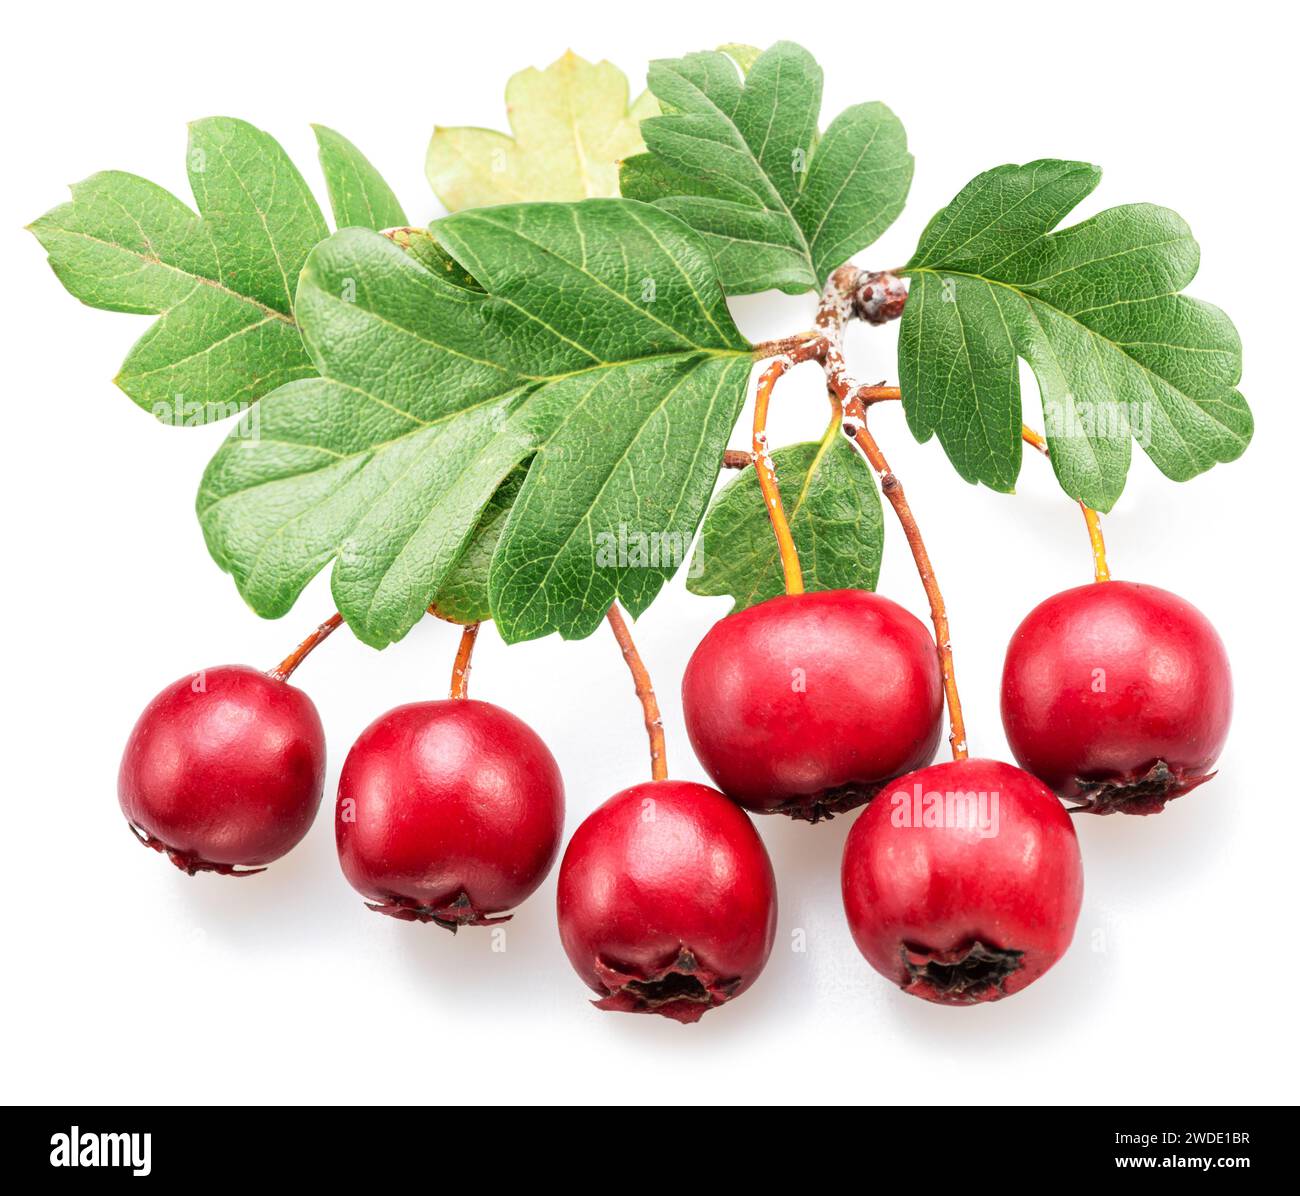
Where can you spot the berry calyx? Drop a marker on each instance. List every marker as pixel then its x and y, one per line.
pixel 962 882
pixel 667 901
pixel 1118 696
pixel 806 704
pixel 448 812
pixel 224 770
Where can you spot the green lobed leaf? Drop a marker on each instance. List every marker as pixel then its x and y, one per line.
pixel 463 594
pixel 594 349
pixel 571 125
pixel 358 194
pixel 743 163
pixel 1095 309
pixel 833 507
pixel 422 245
pixel 221 282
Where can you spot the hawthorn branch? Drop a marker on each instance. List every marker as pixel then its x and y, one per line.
pixel 285 669
pixel 654 723
pixel 841 301
pixel 805 345
pixel 877 298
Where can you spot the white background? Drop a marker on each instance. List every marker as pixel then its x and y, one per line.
pixel 128 981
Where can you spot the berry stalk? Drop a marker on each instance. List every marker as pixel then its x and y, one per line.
pixel 284 670
pixel 855 423
pixel 767 476
pixel 461 666
pixel 1100 569
pixel 654 723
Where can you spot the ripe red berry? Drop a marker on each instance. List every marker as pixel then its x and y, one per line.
pixel 224 770
pixel 806 704
pixel 667 902
pixel 448 812
pixel 962 882
pixel 1117 696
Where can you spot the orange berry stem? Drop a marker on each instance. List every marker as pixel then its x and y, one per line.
pixel 464 658
pixel 1100 569
pixel 284 670
pixel 654 723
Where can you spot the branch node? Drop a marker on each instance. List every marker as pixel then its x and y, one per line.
pixel 877 298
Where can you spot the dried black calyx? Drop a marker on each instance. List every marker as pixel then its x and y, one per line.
pixel 965 974
pixel 823 806
pixel 683 990
pixel 1145 794
pixel 187 861
pixel 673 986
pixel 450 915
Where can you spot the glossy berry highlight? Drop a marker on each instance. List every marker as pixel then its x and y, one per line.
pixel 667 901
pixel 223 771
pixel 962 882
pixel 806 704
pixel 448 812
pixel 1118 696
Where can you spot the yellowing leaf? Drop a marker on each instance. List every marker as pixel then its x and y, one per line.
pixel 742 55
pixel 571 126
